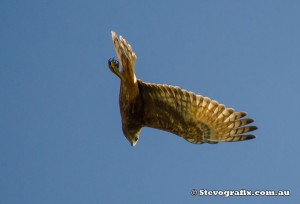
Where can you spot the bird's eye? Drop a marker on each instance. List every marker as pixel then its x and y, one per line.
pixel 135 139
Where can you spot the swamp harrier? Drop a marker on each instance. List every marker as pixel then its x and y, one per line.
pixel 193 117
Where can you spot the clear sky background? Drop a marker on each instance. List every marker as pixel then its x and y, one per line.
pixel 60 127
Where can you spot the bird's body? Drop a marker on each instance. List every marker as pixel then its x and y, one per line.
pixel 193 117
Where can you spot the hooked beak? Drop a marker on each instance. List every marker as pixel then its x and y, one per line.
pixel 133 143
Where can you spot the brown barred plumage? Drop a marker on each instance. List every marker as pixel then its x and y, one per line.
pixel 193 117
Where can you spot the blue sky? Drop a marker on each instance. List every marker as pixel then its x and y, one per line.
pixel 60 128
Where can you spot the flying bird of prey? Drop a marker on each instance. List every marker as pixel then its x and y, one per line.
pixel 193 117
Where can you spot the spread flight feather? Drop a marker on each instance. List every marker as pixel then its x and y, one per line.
pixel 193 117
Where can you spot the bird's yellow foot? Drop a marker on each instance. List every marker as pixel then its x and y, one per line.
pixel 113 65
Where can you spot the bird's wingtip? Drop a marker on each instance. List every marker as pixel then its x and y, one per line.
pixel 114 36
pixel 113 33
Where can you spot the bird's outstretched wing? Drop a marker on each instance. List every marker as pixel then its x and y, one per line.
pixel 196 118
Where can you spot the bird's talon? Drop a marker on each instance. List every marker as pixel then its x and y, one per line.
pixel 113 65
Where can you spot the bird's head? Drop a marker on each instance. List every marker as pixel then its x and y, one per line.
pixel 133 141
pixel 132 135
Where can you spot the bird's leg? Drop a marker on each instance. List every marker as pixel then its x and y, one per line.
pixel 113 65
